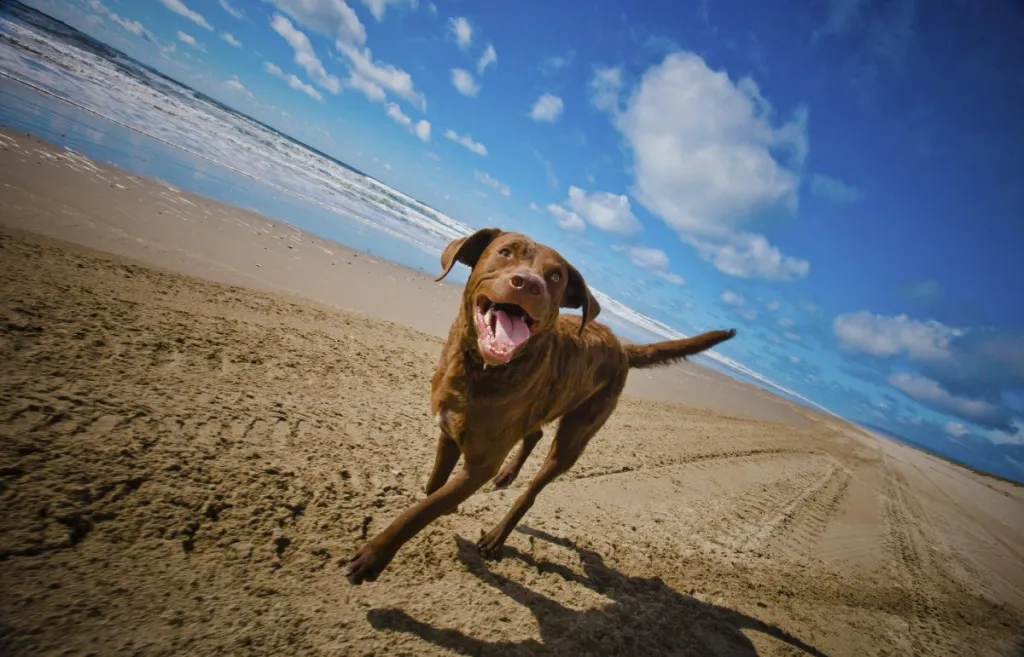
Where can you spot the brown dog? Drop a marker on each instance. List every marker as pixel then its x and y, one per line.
pixel 513 364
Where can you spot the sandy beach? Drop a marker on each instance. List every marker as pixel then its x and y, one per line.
pixel 205 411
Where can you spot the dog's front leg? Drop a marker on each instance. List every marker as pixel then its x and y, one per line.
pixel 444 462
pixel 370 561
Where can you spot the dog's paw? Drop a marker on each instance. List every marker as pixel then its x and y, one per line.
pixel 506 477
pixel 366 565
pixel 491 544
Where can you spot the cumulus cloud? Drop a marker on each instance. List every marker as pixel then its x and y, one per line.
pixel 369 74
pixel 190 40
pixel 606 87
pixel 547 108
pixel 236 85
pixel 709 156
pixel 379 7
pixel 730 298
pixel 305 56
pixel 178 7
pixel 293 81
pixel 134 27
pixel 566 219
pixel 484 178
pixel 488 58
pixel 464 83
pixel 956 429
pixel 653 260
pixel 749 255
pixel 834 190
pixel 467 142
pixel 604 210
pixel 935 396
pixel 549 170
pixel 232 10
pixel 419 128
pixel 881 336
pixel 553 64
pixel 461 30
pixel 230 39
pixel 331 18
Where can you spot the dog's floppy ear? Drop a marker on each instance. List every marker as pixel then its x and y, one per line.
pixel 466 250
pixel 578 295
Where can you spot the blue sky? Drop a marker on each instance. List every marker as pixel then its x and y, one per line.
pixel 840 179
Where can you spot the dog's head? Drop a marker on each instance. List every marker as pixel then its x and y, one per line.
pixel 515 290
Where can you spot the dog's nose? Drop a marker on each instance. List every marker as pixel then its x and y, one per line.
pixel 527 282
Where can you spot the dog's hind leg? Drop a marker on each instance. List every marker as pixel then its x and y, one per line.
pixel 574 432
pixel 511 469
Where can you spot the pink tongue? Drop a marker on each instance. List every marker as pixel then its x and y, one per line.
pixel 510 331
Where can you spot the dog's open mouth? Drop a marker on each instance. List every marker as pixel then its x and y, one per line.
pixel 501 328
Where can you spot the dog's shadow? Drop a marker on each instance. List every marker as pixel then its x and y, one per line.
pixel 647 616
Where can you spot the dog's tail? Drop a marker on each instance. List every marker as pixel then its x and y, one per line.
pixel 663 353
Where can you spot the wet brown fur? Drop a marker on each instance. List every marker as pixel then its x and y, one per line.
pixel 571 368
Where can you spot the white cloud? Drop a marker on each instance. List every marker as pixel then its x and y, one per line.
pixel 190 40
pixel 332 18
pixel 536 208
pixel 383 76
pixel 462 30
pixel 956 429
pixel 834 190
pixel 786 322
pixel 547 109
pixel 467 141
pixel 653 260
pixel 484 178
pixel 549 170
pixel 1013 437
pixel 373 91
pixel 419 128
pixel 730 298
pixel 463 81
pixel 230 38
pixel 885 337
pixel 293 81
pixel 749 255
pixel 555 63
pixel 178 7
pixel 234 11
pixel 932 394
pixel 488 58
pixel 432 156
pixel 305 56
pixel 605 88
pixel 422 130
pixel 134 27
pixel 773 305
pixel 379 7
pixel 606 211
pixel 236 85
pixel 567 219
pixel 792 337
pixel 709 157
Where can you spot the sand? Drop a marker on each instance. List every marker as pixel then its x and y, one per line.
pixel 192 445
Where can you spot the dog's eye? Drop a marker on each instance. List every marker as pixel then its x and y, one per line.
pixel 505 253
pixel 555 277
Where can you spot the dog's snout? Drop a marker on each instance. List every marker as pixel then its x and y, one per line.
pixel 527 282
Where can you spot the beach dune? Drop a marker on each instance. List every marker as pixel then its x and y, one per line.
pixel 205 410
